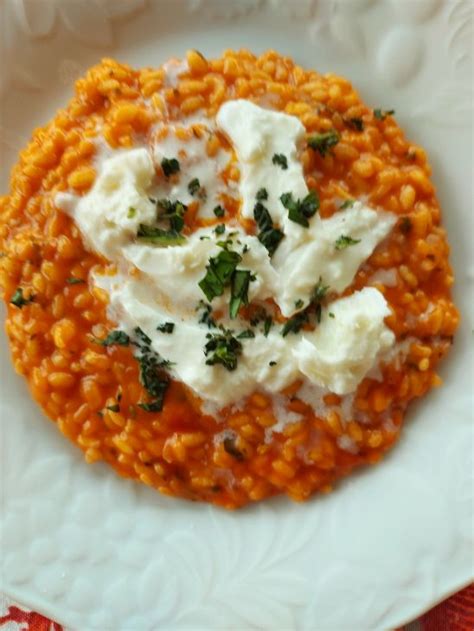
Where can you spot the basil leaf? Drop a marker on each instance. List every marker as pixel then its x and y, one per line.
pixel 239 291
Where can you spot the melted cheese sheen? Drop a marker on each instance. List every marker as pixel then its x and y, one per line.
pixel 335 356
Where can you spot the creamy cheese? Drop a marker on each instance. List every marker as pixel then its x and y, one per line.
pixel 335 356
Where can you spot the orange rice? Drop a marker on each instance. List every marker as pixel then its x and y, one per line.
pixel 76 381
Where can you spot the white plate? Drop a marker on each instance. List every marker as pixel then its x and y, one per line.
pixel 94 551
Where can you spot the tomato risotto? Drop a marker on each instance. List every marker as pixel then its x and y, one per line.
pixel 226 278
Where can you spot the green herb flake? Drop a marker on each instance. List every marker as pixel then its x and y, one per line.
pixel 220 229
pixel 131 212
pixel 268 236
pixel 355 123
pixel 206 316
pixel 152 375
pixel 194 186
pixel 319 292
pixel 222 348
pixel 348 203
pixel 113 408
pixel 166 327
pixel 272 363
pixel 158 236
pixel 170 166
pixel 301 210
pixel 280 160
pixel 262 195
pixel 239 291
pixel 381 115
pixel 119 338
pixel 19 300
pixel 173 212
pixel 219 211
pixel 331 314
pixel 74 281
pixel 219 273
pixel 324 142
pixel 344 242
pixel 246 335
pixel 295 323
pixel 267 325
pixel 299 303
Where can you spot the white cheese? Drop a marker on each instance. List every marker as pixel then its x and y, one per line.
pixel 257 134
pixel 343 348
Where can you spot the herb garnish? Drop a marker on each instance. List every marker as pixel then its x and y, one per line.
pixel 219 273
pixel 206 317
pixel 356 123
pixel 173 212
pixel 348 203
pixel 152 376
pixel 262 195
pixel 299 303
pixel 344 242
pixel 219 211
pixel 281 160
pixel 382 114
pixel 132 212
pixel 19 300
pixel 323 142
pixel 74 281
pixel 220 229
pixel 120 338
pixel 195 188
pixel 294 324
pixel 301 210
pixel 239 291
pixel 170 166
pixel 158 236
pixel 331 314
pixel 268 236
pixel 272 363
pixel 247 334
pixel 113 408
pixel 267 325
pixel 318 295
pixel 222 348
pixel 166 327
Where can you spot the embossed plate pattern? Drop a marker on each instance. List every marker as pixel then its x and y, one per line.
pixel 97 552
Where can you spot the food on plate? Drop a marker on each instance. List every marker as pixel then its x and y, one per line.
pixel 226 278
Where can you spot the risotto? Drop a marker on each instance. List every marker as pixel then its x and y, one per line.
pixel 226 278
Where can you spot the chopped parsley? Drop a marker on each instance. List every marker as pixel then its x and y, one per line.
pixel 206 316
pixel 172 211
pixel 170 166
pixel 231 449
pixel 219 211
pixel 318 295
pixel 120 338
pixel 405 225
pixel 294 324
pixel 158 236
pixel 355 123
pixel 280 160
pixel 131 212
pixel 272 363
pixel 247 334
pixel 74 281
pixel 299 303
pixel 331 314
pixel 301 210
pixel 267 325
pixel 220 229
pixel 219 273
pixel 323 142
pixel 262 195
pixel 19 300
pixel 344 242
pixel 381 115
pixel 166 327
pixel 268 236
pixel 195 189
pixel 152 375
pixel 348 203
pixel 222 348
pixel 239 291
